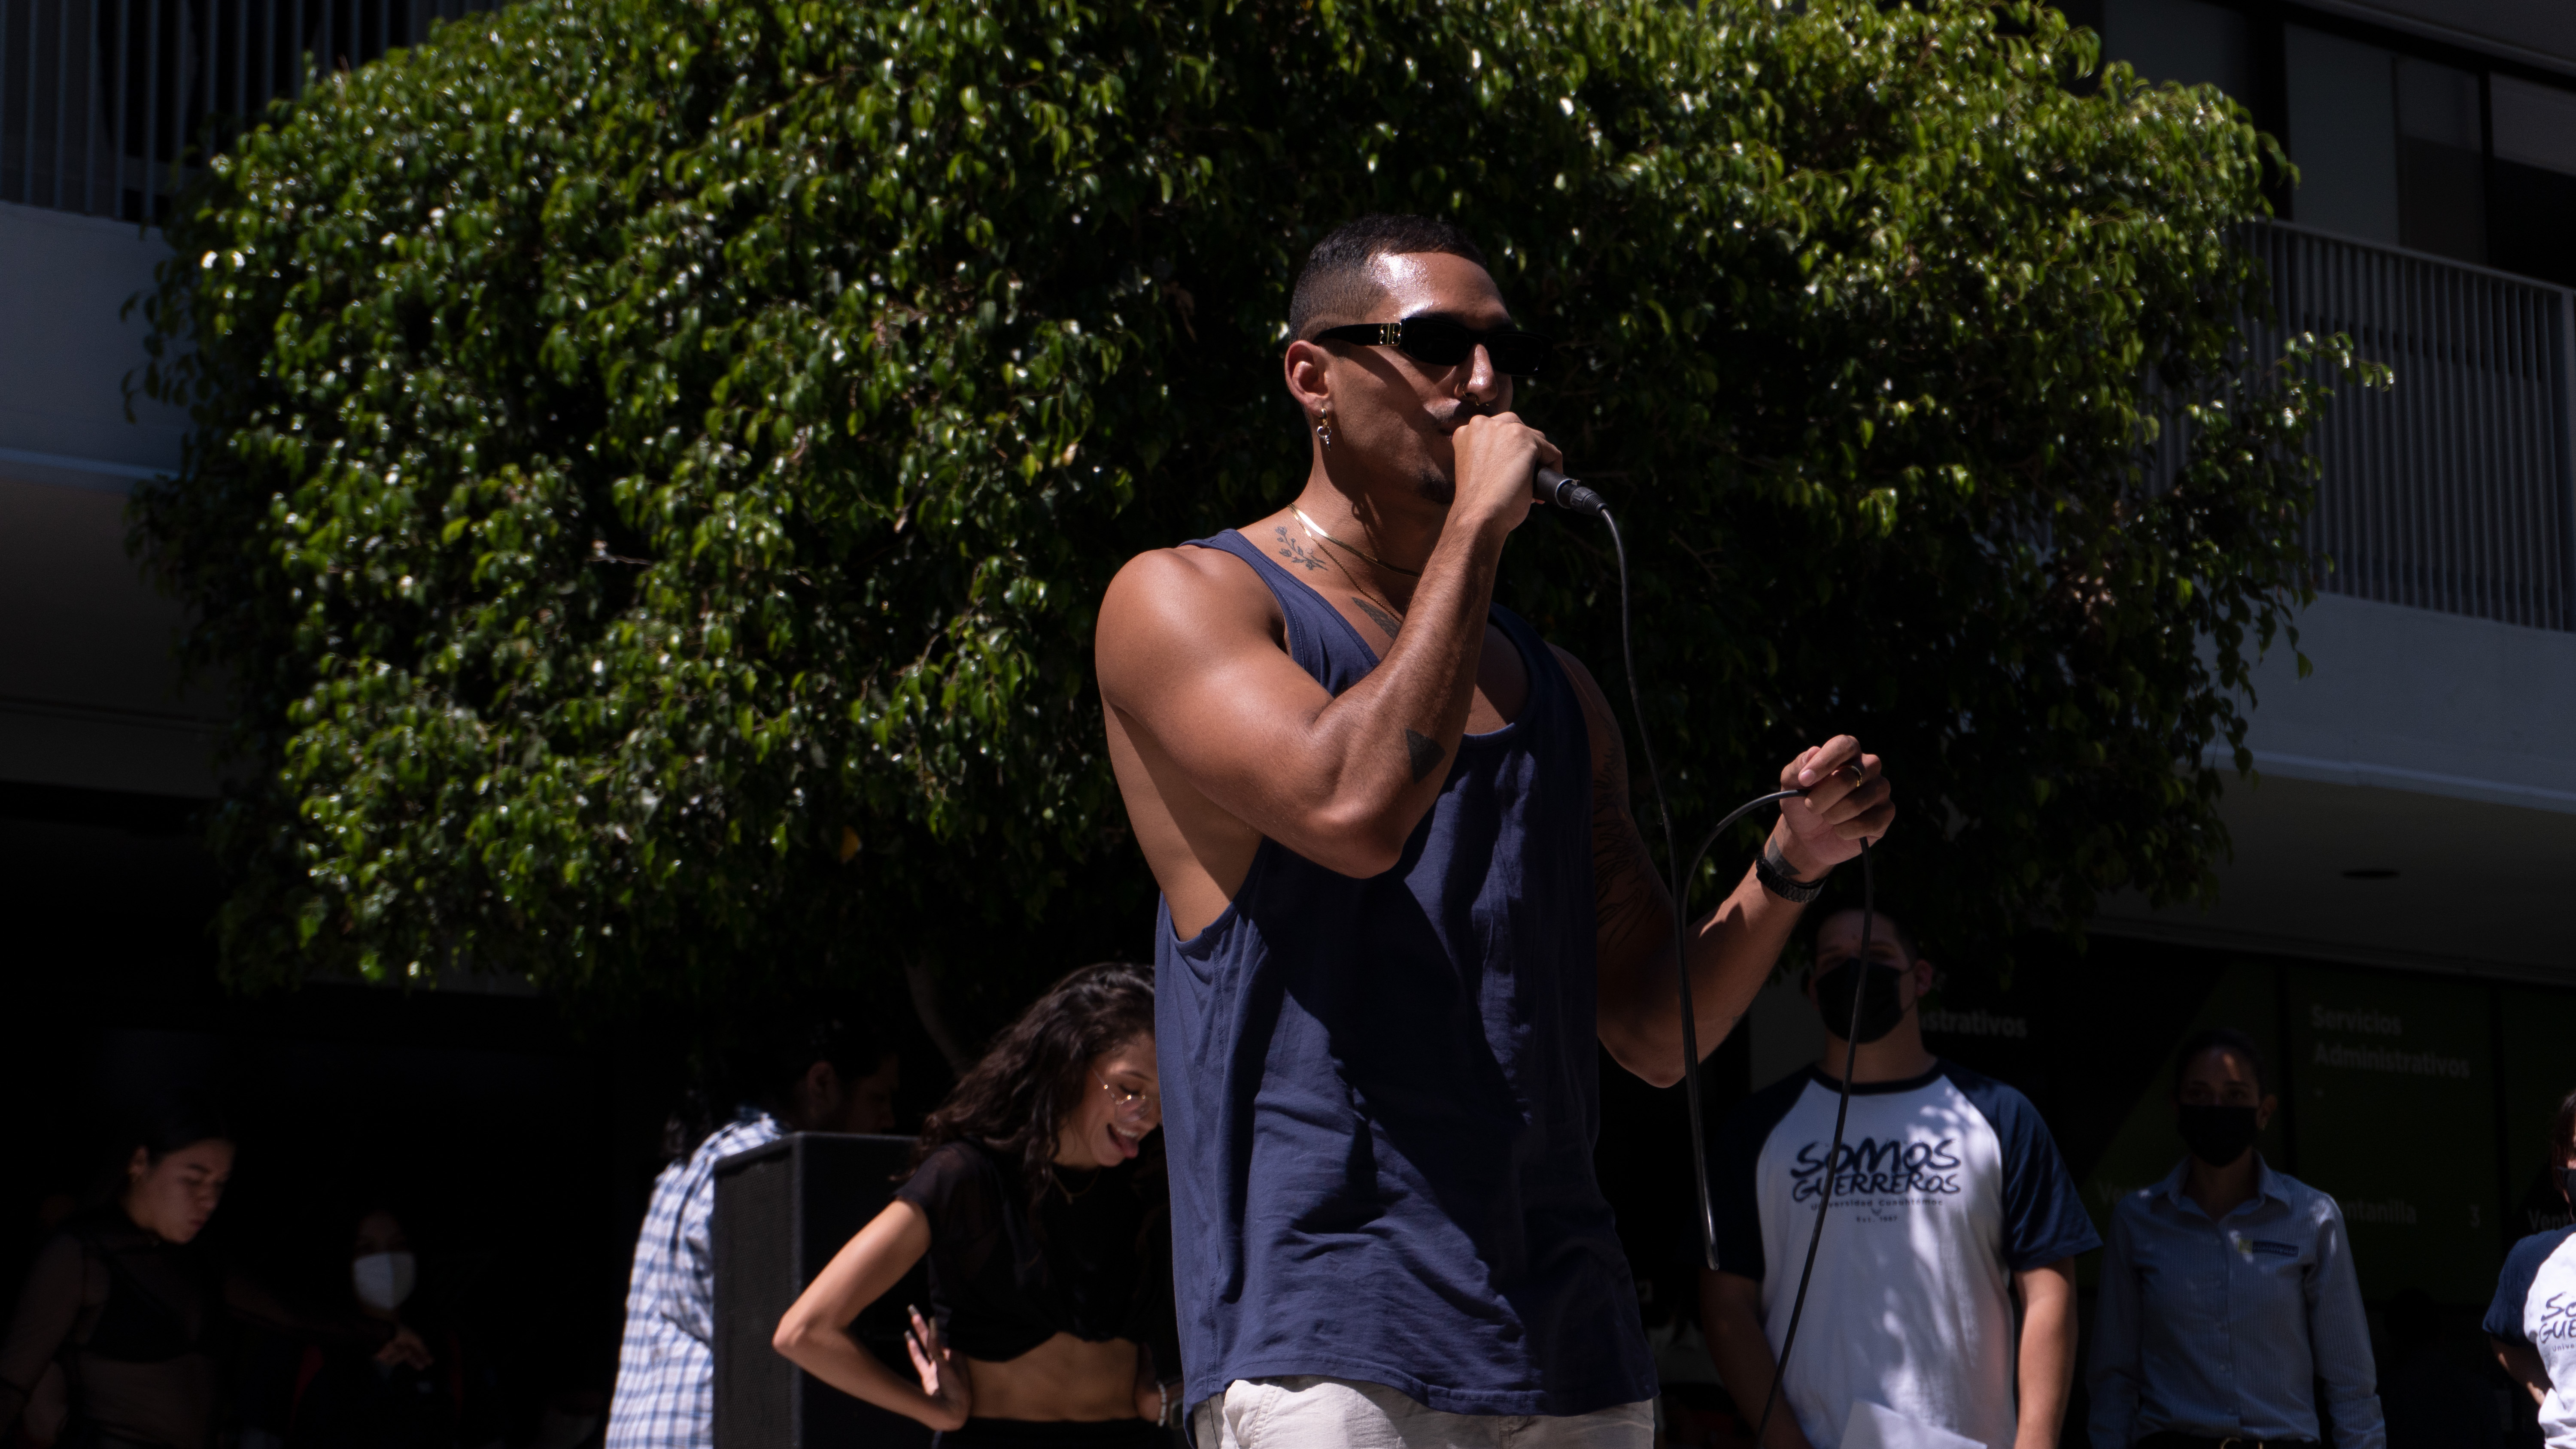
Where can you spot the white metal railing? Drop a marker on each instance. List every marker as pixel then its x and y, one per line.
pixel 102 100
pixel 2451 490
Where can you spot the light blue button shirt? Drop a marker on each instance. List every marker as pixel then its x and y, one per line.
pixel 2222 1328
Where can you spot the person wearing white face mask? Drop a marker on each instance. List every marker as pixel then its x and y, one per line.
pixel 382 1275
pixel 139 1315
pixel 438 1395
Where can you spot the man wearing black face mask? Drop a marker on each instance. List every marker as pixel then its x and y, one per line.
pixel 1948 1200
pixel 2229 1304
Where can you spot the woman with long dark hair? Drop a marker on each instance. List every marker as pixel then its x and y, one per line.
pixel 135 1313
pixel 1038 1197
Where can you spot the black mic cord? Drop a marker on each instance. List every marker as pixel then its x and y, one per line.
pixel 1833 1154
pixel 1559 486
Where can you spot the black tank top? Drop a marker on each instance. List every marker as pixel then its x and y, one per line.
pixel 1095 1261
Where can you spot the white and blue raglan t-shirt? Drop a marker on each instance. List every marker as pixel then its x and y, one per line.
pixel 1947 1184
pixel 2535 1303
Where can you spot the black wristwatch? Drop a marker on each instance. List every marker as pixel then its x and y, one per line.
pixel 1777 880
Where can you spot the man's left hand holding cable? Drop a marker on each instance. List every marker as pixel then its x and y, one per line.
pixel 1732 948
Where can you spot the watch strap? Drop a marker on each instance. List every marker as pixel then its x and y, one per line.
pixel 1780 883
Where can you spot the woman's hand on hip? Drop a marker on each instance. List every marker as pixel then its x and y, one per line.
pixel 943 1374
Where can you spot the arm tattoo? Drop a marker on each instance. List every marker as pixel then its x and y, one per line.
pixel 1380 617
pixel 1778 862
pixel 1425 755
pixel 1295 552
pixel 1629 899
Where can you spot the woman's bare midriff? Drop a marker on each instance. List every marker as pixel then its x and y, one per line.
pixel 1064 1378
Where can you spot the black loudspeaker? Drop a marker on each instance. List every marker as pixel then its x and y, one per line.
pixel 782 1211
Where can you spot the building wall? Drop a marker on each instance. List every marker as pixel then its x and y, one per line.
pixel 2443 126
pixel 2412 800
pixel 2412 795
pixel 64 279
pixel 90 694
pixel 2538 32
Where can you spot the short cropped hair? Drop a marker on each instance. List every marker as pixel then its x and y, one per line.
pixel 2562 1132
pixel 2226 1039
pixel 1334 285
pixel 1904 938
pixel 816 1029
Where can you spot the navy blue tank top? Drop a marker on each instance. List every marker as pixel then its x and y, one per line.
pixel 1380 1096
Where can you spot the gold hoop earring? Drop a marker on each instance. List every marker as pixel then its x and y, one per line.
pixel 1324 426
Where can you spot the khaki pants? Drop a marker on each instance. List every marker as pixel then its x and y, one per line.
pixel 1307 1412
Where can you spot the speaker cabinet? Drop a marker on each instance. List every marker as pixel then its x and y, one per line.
pixel 782 1211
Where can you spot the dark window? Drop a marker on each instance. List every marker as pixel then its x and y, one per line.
pixel 2397 141
pixel 2190 41
pixel 2343 135
pixel 2532 208
pixel 2441 162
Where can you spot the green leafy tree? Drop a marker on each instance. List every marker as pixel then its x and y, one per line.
pixel 657 459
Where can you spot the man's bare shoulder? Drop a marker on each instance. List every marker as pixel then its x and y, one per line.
pixel 1584 683
pixel 1183 578
pixel 1184 567
pixel 1183 601
pixel 1586 688
pixel 1597 718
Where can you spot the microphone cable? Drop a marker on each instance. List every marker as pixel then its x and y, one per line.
pixel 1690 1022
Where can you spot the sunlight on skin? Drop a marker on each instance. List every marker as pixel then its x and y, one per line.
pixel 1100 1134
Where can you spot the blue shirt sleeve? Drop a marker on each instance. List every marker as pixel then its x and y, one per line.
pixel 1734 1173
pixel 2044 1218
pixel 2504 1315
pixel 2117 1370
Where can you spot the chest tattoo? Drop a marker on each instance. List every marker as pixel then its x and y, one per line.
pixel 1294 550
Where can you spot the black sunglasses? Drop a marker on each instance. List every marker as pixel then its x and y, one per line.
pixel 1443 342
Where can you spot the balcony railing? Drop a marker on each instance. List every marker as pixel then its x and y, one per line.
pixel 2452 490
pixel 101 100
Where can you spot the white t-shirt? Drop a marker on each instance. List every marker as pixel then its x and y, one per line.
pixel 2535 1303
pixel 1947 1184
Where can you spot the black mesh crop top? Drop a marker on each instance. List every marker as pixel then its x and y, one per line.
pixel 1098 1264
pixel 141 1330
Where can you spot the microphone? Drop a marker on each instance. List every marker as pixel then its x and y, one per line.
pixel 1552 486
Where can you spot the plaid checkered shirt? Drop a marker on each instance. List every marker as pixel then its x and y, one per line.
pixel 666 1368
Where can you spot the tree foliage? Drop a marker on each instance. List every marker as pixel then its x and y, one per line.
pixel 657 459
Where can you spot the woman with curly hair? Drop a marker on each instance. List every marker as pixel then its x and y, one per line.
pixel 1038 1197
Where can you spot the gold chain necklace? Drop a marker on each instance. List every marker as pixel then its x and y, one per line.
pixel 1317 529
pixel 1381 610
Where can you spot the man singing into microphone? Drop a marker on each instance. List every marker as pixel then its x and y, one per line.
pixel 1403 896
